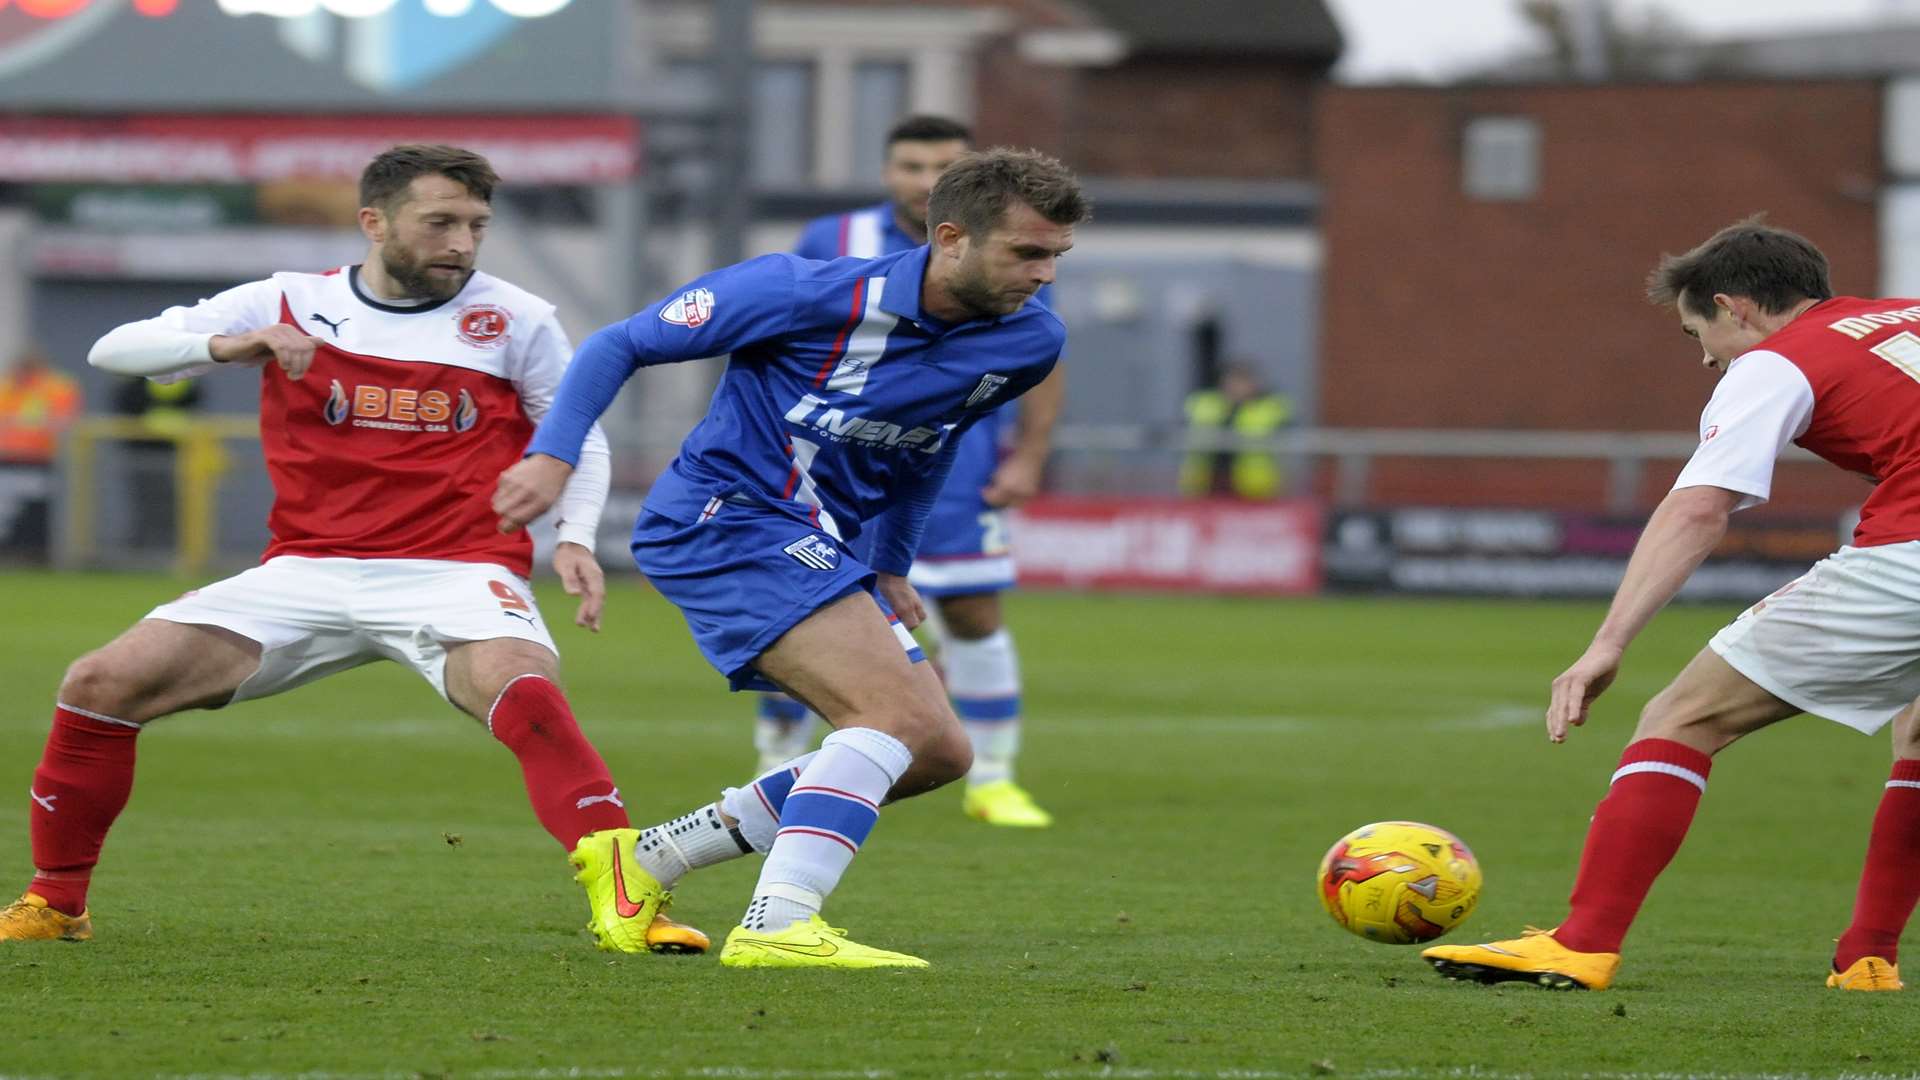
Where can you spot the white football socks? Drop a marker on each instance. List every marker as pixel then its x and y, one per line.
pixel 828 813
pixel 701 837
pixel 983 678
pixel 757 806
pixel 694 839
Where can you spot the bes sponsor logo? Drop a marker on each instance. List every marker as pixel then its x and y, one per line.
pixel 394 409
pixel 838 425
pixel 693 308
pixel 483 326
pixel 814 552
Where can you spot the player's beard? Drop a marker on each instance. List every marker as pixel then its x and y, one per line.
pixel 977 294
pixel 415 279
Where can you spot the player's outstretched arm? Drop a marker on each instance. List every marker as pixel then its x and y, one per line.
pixel 179 340
pixel 1683 530
pixel 896 534
pixel 581 576
pixel 1018 477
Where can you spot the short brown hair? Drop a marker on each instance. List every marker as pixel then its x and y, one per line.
pixel 384 181
pixel 1774 268
pixel 974 191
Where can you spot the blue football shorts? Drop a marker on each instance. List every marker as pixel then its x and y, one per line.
pixel 745 575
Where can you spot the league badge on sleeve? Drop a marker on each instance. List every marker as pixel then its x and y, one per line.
pixel 693 308
pixel 814 552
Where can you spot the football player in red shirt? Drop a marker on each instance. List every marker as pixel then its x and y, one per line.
pixel 393 392
pixel 1839 376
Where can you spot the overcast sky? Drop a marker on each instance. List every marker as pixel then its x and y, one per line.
pixel 1421 40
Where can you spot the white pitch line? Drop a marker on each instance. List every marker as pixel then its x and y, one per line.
pixel 1091 1073
pixel 1104 1072
pixel 1491 717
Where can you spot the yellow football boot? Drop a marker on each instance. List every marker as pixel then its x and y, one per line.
pixel 30 919
pixel 809 944
pixel 629 906
pixel 1867 973
pixel 1004 802
pixel 1534 957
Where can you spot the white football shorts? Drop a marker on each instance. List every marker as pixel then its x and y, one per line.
pixel 314 617
pixel 1841 641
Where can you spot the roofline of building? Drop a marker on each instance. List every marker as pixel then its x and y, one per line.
pixel 1116 202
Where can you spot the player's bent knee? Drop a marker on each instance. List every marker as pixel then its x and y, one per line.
pixel 97 683
pixel 971 618
pixel 478 672
pixel 948 757
pixel 1705 732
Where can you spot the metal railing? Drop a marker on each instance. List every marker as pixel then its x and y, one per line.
pixel 199 461
pixel 1354 450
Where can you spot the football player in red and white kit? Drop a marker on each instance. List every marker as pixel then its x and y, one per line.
pixel 392 394
pixel 1839 376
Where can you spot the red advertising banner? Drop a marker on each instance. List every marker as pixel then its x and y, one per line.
pixel 1269 548
pixel 192 148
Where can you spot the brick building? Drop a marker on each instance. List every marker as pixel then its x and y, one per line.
pixel 1486 248
pixel 1217 89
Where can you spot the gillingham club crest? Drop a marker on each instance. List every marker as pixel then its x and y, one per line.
pixel 814 552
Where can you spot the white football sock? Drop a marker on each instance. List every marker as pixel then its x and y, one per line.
pixel 694 839
pixel 827 814
pixel 983 677
pixel 757 805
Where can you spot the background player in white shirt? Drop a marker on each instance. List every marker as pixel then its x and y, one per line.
pixel 392 394
pixel 1839 376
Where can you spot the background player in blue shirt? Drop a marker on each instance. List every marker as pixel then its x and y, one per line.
pixel 839 412
pixel 964 561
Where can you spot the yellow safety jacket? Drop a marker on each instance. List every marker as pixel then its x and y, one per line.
pixel 1253 474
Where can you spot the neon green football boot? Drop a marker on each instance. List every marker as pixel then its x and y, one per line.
pixel 1003 802
pixel 808 944
pixel 629 906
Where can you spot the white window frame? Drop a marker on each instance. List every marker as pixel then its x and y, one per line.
pixel 1501 158
pixel 937 45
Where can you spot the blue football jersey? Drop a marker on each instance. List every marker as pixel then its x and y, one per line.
pixel 866 233
pixel 954 529
pixel 842 398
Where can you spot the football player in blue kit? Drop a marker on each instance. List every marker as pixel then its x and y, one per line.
pixel 964 562
pixel 840 412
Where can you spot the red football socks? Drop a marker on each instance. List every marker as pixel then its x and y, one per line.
pixel 571 789
pixel 1890 881
pixel 1636 830
pixel 82 784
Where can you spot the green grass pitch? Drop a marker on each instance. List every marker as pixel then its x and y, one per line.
pixel 346 881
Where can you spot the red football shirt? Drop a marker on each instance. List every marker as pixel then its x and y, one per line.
pixel 1841 380
pixel 392 443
